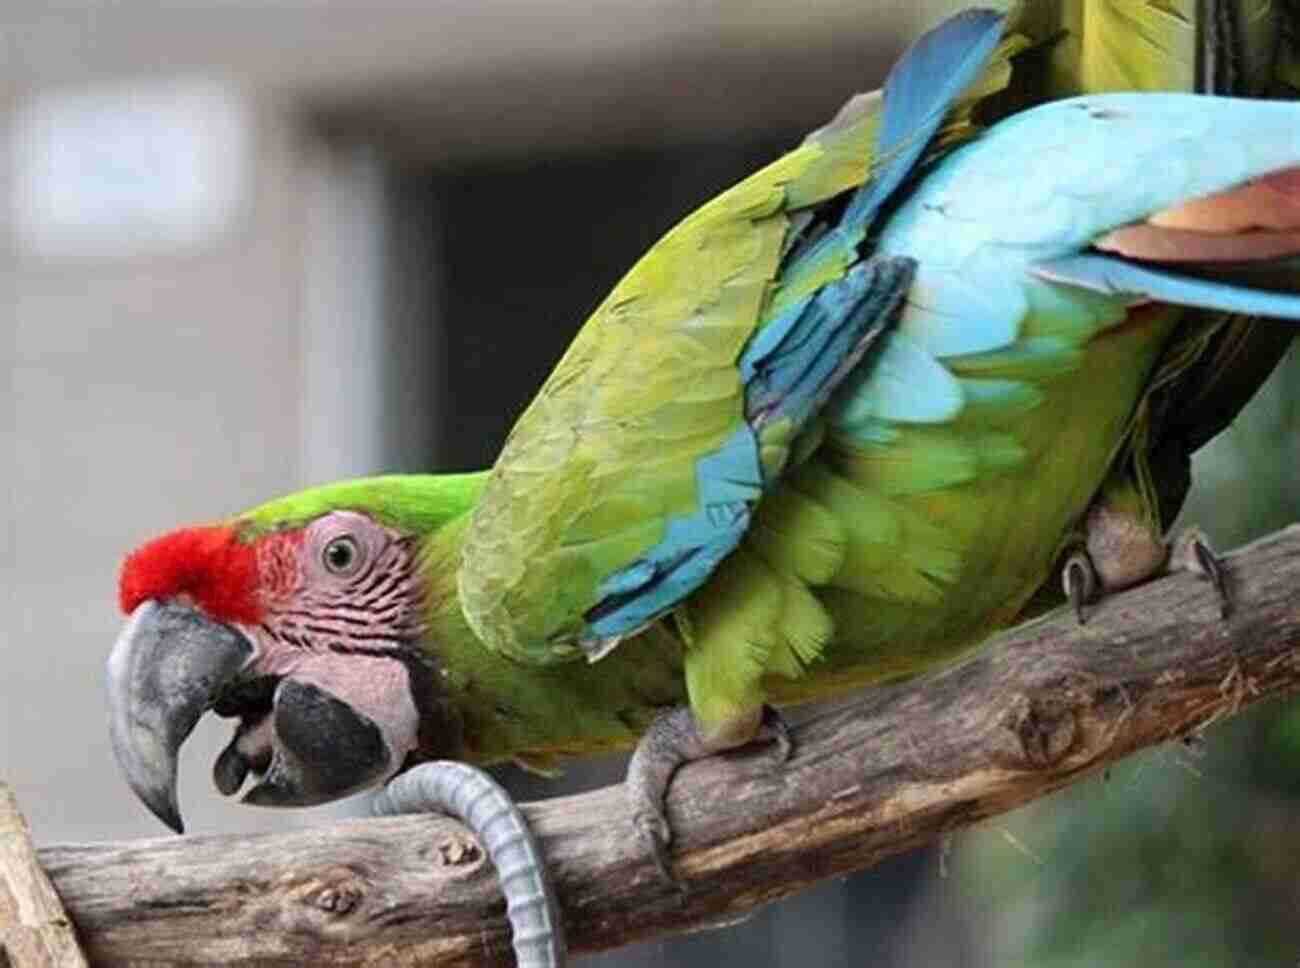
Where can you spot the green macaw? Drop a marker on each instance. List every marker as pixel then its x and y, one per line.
pixel 839 425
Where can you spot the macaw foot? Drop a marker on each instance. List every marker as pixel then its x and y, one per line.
pixel 478 801
pixel 674 739
pixel 1121 552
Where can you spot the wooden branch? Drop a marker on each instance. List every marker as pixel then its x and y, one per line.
pixel 1042 707
pixel 34 930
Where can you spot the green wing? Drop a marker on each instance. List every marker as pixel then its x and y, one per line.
pixel 606 454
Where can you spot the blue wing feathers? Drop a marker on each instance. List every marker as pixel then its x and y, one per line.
pixel 906 385
pixel 728 482
pixel 764 343
pixel 824 342
pixel 918 93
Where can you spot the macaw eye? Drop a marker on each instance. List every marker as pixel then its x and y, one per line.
pixel 342 555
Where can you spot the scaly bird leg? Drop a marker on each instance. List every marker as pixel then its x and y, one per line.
pixel 675 738
pixel 476 800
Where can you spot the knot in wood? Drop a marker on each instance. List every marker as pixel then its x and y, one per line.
pixel 1044 728
pixel 336 899
pixel 456 850
pixel 330 896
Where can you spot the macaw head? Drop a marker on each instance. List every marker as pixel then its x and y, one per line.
pixel 306 620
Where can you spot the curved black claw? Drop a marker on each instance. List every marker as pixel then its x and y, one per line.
pixel 672 740
pixel 774 727
pixel 655 833
pixel 1079 580
pixel 478 801
pixel 1192 552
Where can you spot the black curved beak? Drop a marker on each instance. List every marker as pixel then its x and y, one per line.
pixel 167 668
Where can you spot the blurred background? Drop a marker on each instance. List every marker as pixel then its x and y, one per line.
pixel 252 246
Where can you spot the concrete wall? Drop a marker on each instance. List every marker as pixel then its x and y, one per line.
pixel 140 392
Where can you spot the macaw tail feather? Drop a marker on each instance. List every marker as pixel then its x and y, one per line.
pixel 1116 275
pixel 1220 252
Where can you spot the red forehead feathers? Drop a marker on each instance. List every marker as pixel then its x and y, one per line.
pixel 216 571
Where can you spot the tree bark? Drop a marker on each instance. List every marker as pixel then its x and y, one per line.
pixel 34 929
pixel 1037 709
